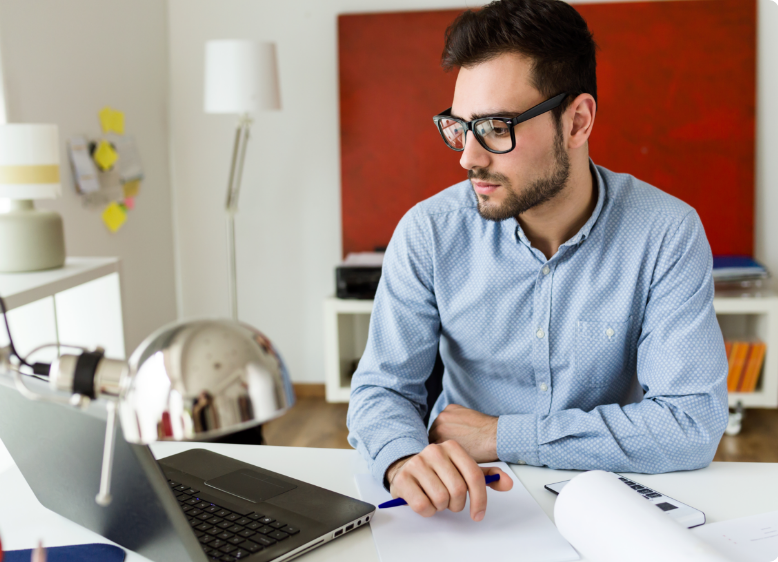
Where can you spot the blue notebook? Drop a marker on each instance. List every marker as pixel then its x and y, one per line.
pixel 733 268
pixel 77 553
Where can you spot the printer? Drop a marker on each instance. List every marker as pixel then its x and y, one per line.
pixel 358 275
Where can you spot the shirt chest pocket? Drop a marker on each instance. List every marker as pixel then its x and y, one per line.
pixel 601 351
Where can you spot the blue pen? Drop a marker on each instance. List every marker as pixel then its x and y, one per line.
pixel 399 501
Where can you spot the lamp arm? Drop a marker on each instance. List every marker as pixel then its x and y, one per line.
pixel 103 497
pixel 231 206
pixel 244 128
pixel 30 395
pixel 233 164
pixel 236 164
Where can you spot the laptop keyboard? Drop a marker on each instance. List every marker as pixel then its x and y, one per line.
pixel 226 535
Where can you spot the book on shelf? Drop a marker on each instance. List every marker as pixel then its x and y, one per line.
pixel 745 360
pixel 728 269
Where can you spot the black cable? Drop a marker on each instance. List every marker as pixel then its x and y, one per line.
pixel 41 369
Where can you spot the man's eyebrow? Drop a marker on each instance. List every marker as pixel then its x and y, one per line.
pixel 506 114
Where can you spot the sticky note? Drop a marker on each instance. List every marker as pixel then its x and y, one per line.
pixel 112 120
pixel 131 189
pixel 105 155
pixel 129 203
pixel 114 216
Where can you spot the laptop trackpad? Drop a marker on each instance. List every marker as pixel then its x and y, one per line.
pixel 250 485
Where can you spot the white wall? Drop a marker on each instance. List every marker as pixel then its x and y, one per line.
pixel 65 60
pixel 289 227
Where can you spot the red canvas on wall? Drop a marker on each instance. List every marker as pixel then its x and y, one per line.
pixel 676 108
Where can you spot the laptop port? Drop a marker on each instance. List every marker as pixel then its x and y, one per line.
pixel 359 523
pixel 338 532
pixel 349 527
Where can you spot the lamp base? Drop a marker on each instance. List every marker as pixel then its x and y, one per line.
pixel 30 239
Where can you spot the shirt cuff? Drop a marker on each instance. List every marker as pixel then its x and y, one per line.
pixel 517 439
pixel 393 451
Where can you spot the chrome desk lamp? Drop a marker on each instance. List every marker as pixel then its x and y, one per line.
pixel 188 381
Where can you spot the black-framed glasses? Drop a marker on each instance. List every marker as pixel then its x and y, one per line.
pixel 495 134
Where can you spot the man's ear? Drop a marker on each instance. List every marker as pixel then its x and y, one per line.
pixel 581 119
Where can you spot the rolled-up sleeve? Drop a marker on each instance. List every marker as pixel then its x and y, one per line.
pixel 388 396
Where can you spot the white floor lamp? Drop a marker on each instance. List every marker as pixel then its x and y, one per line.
pixel 241 77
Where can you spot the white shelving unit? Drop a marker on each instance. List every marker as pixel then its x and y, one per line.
pixel 347 322
pixel 753 317
pixel 78 304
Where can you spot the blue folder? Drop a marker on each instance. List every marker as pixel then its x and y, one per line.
pixel 77 553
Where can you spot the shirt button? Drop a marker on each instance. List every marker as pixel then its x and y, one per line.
pixel 540 333
pixel 546 270
pixel 543 387
pixel 521 462
pixel 609 332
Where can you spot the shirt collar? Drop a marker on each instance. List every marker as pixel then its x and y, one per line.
pixel 583 233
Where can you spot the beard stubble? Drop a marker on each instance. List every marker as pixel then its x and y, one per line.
pixel 538 192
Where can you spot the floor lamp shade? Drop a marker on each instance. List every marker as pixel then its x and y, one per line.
pixel 30 239
pixel 241 77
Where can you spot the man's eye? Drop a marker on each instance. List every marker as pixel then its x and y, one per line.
pixel 501 131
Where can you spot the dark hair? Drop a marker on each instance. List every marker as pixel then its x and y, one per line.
pixel 551 33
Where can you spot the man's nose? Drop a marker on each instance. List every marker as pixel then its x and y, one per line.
pixel 474 155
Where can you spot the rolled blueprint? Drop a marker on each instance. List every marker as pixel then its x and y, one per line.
pixel 607 521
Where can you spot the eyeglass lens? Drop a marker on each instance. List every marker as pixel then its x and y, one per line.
pixel 494 134
pixel 453 132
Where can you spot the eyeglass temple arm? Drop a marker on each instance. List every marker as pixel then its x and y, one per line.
pixel 540 108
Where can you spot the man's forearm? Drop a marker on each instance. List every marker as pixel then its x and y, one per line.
pixel 652 436
pixel 384 427
pixel 474 431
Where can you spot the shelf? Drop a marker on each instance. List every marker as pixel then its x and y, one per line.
pixel 753 317
pixel 19 289
pixel 78 304
pixel 345 330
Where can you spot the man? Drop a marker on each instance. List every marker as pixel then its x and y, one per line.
pixel 572 306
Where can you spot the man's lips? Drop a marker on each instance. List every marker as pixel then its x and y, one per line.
pixel 484 188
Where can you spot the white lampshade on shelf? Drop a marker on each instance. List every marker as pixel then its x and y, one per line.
pixel 30 239
pixel 241 76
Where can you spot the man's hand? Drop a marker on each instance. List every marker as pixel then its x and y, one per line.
pixel 474 431
pixel 440 477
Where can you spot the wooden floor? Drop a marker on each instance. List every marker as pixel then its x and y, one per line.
pixel 314 423
pixel 757 441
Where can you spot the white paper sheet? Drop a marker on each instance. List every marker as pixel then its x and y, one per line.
pixel 748 539
pixel 608 522
pixel 514 528
pixel 83 166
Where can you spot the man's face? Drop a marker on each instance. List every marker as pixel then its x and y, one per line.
pixel 507 185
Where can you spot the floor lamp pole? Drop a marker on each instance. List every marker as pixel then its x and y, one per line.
pixel 231 205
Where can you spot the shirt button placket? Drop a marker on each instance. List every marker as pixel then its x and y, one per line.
pixel 542 361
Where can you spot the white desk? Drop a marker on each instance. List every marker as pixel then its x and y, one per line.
pixel 723 491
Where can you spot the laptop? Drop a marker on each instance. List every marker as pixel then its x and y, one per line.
pixel 193 506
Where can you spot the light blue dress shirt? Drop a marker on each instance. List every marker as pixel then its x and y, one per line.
pixel 606 356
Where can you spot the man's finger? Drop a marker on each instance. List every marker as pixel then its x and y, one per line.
pixel 505 482
pixel 406 486
pixel 454 482
pixel 435 489
pixel 474 478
